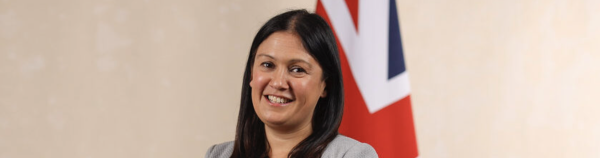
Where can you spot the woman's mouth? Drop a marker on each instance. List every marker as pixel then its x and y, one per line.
pixel 278 100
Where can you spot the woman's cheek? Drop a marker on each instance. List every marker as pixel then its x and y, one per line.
pixel 302 84
pixel 258 81
pixel 299 88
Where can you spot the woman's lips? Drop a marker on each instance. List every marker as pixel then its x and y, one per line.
pixel 278 101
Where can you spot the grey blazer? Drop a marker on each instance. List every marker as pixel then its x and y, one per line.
pixel 341 146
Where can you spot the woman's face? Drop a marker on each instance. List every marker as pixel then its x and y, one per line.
pixel 286 82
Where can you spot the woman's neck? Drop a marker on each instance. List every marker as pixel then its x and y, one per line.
pixel 282 140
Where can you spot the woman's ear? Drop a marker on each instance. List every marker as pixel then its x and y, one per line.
pixel 251 77
pixel 251 83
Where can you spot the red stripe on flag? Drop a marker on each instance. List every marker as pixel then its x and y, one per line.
pixel 353 7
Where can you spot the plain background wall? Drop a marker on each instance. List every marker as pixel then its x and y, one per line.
pixel 149 78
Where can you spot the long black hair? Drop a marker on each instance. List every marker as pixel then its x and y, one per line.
pixel 318 39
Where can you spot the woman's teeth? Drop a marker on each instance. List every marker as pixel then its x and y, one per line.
pixel 279 100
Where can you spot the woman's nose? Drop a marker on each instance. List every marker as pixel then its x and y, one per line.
pixel 279 80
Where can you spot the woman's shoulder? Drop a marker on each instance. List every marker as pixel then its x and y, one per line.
pixel 343 146
pixel 222 150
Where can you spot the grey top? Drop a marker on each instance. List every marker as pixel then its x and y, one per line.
pixel 341 146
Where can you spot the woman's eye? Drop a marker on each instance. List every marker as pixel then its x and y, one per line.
pixel 297 70
pixel 266 64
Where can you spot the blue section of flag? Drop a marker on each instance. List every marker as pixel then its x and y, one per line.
pixel 396 54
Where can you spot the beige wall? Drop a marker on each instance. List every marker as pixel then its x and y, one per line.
pixel 152 78
pixel 504 78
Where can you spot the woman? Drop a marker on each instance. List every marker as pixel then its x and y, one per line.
pixel 292 94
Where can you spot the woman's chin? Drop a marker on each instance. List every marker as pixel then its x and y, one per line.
pixel 274 121
pixel 274 115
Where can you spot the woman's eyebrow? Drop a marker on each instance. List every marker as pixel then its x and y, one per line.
pixel 265 55
pixel 301 61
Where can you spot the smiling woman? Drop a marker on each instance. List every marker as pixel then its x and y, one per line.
pixel 281 64
pixel 292 94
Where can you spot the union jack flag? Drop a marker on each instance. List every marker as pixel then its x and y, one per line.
pixel 377 91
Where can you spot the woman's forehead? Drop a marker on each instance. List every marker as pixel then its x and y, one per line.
pixel 283 45
pixel 282 40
